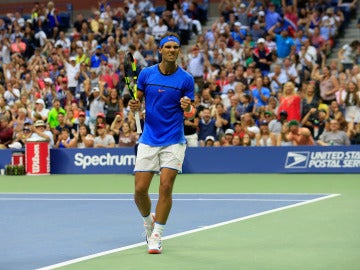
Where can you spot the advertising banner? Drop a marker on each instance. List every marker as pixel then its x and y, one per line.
pixel 331 159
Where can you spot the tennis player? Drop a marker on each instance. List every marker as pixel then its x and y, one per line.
pixel 168 92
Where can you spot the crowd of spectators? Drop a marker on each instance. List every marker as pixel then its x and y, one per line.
pixel 261 73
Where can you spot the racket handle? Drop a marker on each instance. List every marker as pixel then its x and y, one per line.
pixel 137 122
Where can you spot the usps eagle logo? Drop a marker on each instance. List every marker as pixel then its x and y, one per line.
pixel 297 160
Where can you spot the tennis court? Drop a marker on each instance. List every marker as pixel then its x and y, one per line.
pixel 232 221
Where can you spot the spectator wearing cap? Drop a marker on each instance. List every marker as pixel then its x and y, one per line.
pixel 265 137
pixel 96 99
pixel 6 131
pixel 103 140
pixel 100 119
pixel 39 131
pixel 290 101
pixel 82 120
pixel 299 135
pixel 256 31
pixel 209 141
pixel 226 140
pixel 284 43
pixel 275 124
pixel 53 114
pixel 238 33
pixel 24 134
pixel 97 57
pixel 316 121
pixel 262 57
pixel 243 15
pixel 72 68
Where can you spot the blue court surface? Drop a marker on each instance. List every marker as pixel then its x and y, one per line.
pixel 39 230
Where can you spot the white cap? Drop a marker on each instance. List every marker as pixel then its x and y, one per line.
pixel 40 101
pixel 96 89
pixel 243 5
pixel 260 40
pixel 72 58
pixel 261 13
pixel 210 138
pixel 237 24
pixel 229 131
pixel 15 145
pixel 48 80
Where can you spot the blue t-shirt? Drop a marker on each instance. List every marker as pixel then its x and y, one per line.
pixel 164 121
pixel 256 95
pixel 284 45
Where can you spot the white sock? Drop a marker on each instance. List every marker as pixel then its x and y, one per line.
pixel 148 220
pixel 159 229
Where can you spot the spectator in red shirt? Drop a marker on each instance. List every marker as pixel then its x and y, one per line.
pixel 6 132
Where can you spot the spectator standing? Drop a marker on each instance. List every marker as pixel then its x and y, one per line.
pixel 351 102
pixel 285 45
pixel 196 65
pixel 53 114
pixel 72 68
pixel 329 85
pixel 126 136
pixel 262 56
pixel 290 101
pixel 315 120
pixel 260 94
pixel 207 127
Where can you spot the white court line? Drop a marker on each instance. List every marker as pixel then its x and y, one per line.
pixel 195 199
pixel 54 266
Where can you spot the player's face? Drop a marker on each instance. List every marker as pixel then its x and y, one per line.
pixel 170 51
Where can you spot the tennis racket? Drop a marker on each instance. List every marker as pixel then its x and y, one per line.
pixel 130 76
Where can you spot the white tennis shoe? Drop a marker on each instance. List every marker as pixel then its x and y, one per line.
pixel 149 227
pixel 154 244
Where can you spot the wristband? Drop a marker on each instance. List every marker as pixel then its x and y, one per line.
pixel 191 113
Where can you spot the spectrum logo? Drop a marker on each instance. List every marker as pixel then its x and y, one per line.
pixel 297 160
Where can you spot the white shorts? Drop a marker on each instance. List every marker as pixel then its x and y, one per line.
pixel 153 158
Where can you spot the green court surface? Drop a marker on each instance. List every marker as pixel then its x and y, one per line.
pixel 319 235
